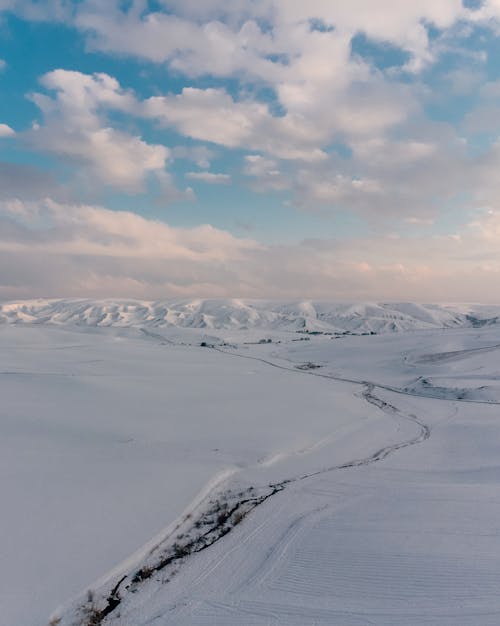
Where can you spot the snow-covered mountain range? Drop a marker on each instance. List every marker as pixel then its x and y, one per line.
pixel 238 314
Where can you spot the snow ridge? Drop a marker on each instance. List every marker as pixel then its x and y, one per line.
pixel 238 314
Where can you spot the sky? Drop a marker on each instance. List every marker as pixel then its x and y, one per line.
pixel 343 150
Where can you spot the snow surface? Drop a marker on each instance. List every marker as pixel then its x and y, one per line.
pixel 246 314
pixel 383 450
pixel 106 438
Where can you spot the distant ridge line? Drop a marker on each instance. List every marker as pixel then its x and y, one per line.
pixel 305 316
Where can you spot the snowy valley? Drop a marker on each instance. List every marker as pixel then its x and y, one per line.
pixel 244 462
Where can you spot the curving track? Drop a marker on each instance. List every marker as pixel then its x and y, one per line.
pixel 247 502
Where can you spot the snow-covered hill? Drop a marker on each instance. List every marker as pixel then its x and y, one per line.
pixel 239 314
pixel 147 479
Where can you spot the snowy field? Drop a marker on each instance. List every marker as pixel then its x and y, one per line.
pixel 291 471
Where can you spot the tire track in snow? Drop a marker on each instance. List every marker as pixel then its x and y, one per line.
pixel 423 433
pixel 248 499
pixel 353 381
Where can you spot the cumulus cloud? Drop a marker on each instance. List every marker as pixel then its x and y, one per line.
pixel 320 95
pixel 303 110
pixel 48 10
pixel 487 11
pixel 194 35
pixel 213 115
pixel 322 88
pixel 383 178
pixel 201 155
pixel 323 95
pixel 211 178
pixel 6 131
pixel 75 127
pixel 266 173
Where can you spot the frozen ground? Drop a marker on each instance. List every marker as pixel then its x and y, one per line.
pixel 316 479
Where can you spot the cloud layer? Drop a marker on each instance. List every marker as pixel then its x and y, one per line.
pixel 49 249
pixel 386 111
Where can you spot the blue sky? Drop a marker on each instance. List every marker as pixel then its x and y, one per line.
pixel 264 148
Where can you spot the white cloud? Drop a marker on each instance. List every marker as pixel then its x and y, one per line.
pixel 488 11
pixel 96 231
pixel 304 114
pixel 3 64
pixel 322 93
pixel 155 36
pixel 319 101
pixel 322 89
pixel 210 177
pixel 52 249
pixel 383 176
pixel 201 155
pixel 39 11
pixel 75 127
pixel 420 221
pixel 266 173
pixel 213 115
pixel 384 179
pixel 6 131
pixel 226 37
